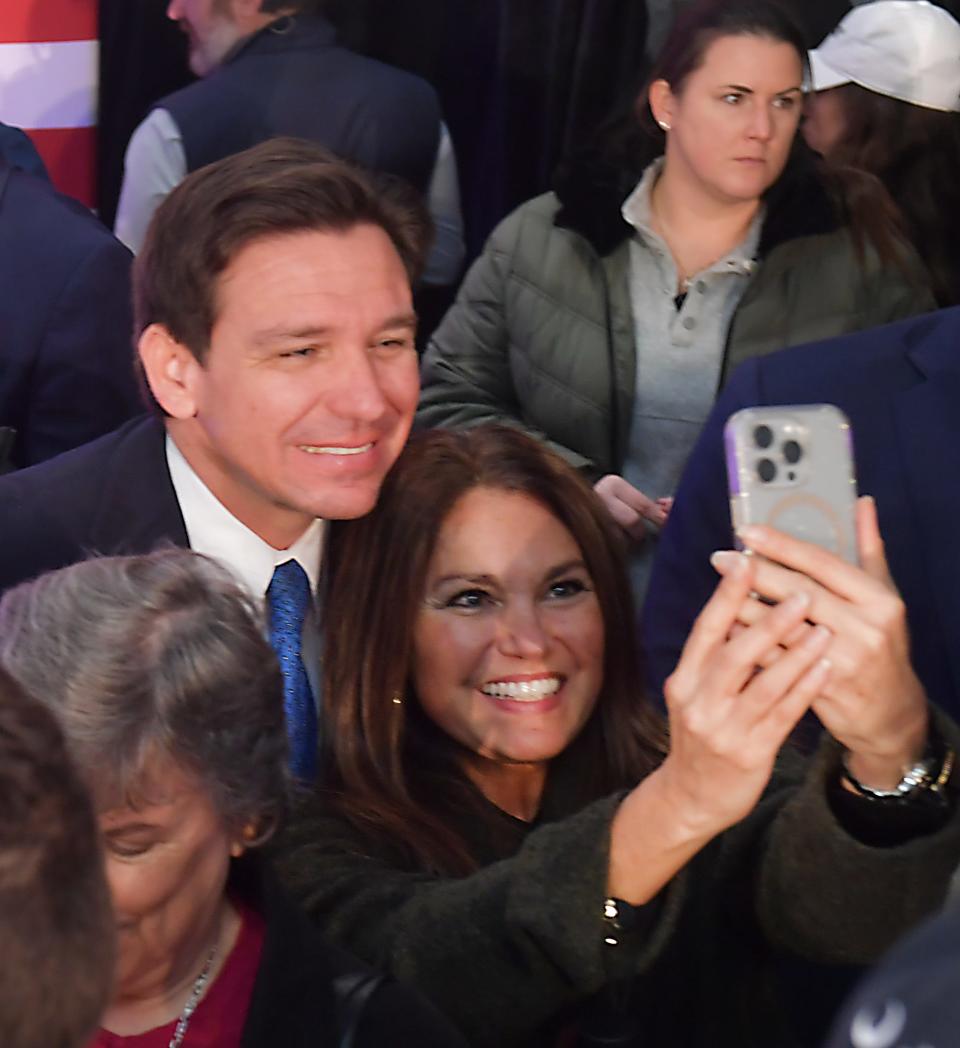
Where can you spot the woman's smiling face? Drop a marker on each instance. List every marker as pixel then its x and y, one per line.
pixel 508 644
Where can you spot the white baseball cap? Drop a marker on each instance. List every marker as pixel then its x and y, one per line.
pixel 905 49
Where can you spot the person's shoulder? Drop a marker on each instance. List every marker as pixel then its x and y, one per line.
pixel 911 997
pixel 542 208
pixel 65 491
pixel 50 219
pixel 377 75
pixel 533 218
pixel 76 463
pixel 45 511
pixel 18 150
pixel 863 356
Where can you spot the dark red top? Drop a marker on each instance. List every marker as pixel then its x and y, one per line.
pixel 219 1019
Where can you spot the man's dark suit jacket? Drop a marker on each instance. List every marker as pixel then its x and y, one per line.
pixel 18 150
pixel 112 496
pixel 900 386
pixel 66 356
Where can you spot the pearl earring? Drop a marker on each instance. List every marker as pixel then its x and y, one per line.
pixel 397 699
pixel 663 125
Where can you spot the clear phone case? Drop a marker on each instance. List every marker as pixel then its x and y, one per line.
pixel 791 468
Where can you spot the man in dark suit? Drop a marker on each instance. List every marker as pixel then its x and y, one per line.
pixel 900 387
pixel 276 335
pixel 66 373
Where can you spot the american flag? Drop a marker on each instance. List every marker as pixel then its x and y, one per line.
pixel 48 84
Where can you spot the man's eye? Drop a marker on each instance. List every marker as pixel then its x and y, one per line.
pixel 302 351
pixel 394 343
pixel 566 588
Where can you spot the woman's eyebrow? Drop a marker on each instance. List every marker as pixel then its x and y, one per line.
pixel 743 89
pixel 562 569
pixel 480 580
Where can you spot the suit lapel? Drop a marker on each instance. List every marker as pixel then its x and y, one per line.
pixel 139 509
pixel 927 422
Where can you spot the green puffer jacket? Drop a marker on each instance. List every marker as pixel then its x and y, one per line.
pixel 541 334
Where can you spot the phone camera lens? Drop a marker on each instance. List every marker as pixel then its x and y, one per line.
pixel 792 452
pixel 763 436
pixel 766 470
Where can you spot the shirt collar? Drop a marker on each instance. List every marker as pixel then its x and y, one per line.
pixel 637 211
pixel 214 531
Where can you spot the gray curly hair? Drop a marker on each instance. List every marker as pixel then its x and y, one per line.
pixel 155 656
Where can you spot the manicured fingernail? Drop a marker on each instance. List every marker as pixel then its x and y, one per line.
pixel 818 635
pixel 797 602
pixel 728 561
pixel 750 534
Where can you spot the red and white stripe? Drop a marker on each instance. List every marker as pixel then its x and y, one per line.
pixel 48 84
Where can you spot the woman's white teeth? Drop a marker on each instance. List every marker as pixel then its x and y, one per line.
pixel 522 690
pixel 313 449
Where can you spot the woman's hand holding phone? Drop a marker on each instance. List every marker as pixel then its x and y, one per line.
pixel 872 703
pixel 727 724
pixel 728 721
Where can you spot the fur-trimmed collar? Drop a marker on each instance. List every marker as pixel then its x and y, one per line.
pixel 591 189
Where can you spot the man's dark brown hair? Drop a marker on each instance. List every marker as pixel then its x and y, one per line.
pixel 283 185
pixel 56 922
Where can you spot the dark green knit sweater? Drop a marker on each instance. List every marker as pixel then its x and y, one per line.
pixel 753 944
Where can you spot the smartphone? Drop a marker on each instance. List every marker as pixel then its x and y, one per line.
pixel 792 468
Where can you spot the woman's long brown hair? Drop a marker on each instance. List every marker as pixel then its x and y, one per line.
pixel 915 153
pixel 389 769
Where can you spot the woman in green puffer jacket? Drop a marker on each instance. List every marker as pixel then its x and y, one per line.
pixel 604 317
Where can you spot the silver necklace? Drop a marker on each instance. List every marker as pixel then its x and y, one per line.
pixel 200 984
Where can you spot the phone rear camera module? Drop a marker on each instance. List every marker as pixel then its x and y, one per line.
pixel 766 470
pixel 763 436
pixel 792 452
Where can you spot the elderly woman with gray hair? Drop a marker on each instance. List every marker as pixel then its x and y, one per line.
pixel 170 700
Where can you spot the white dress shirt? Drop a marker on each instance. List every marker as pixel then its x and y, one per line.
pixel 214 531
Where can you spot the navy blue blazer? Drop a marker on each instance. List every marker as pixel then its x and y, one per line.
pixel 112 496
pixel 66 356
pixel 18 150
pixel 900 386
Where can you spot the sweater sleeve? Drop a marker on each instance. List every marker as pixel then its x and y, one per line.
pixel 502 951
pixel 827 896
pixel 466 375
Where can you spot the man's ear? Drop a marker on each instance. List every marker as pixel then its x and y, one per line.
pixel 172 371
pixel 661 101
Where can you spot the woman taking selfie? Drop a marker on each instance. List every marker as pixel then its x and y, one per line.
pixel 508 827
pixel 171 704
pixel 603 317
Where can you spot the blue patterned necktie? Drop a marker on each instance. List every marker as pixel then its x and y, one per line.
pixel 288 597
